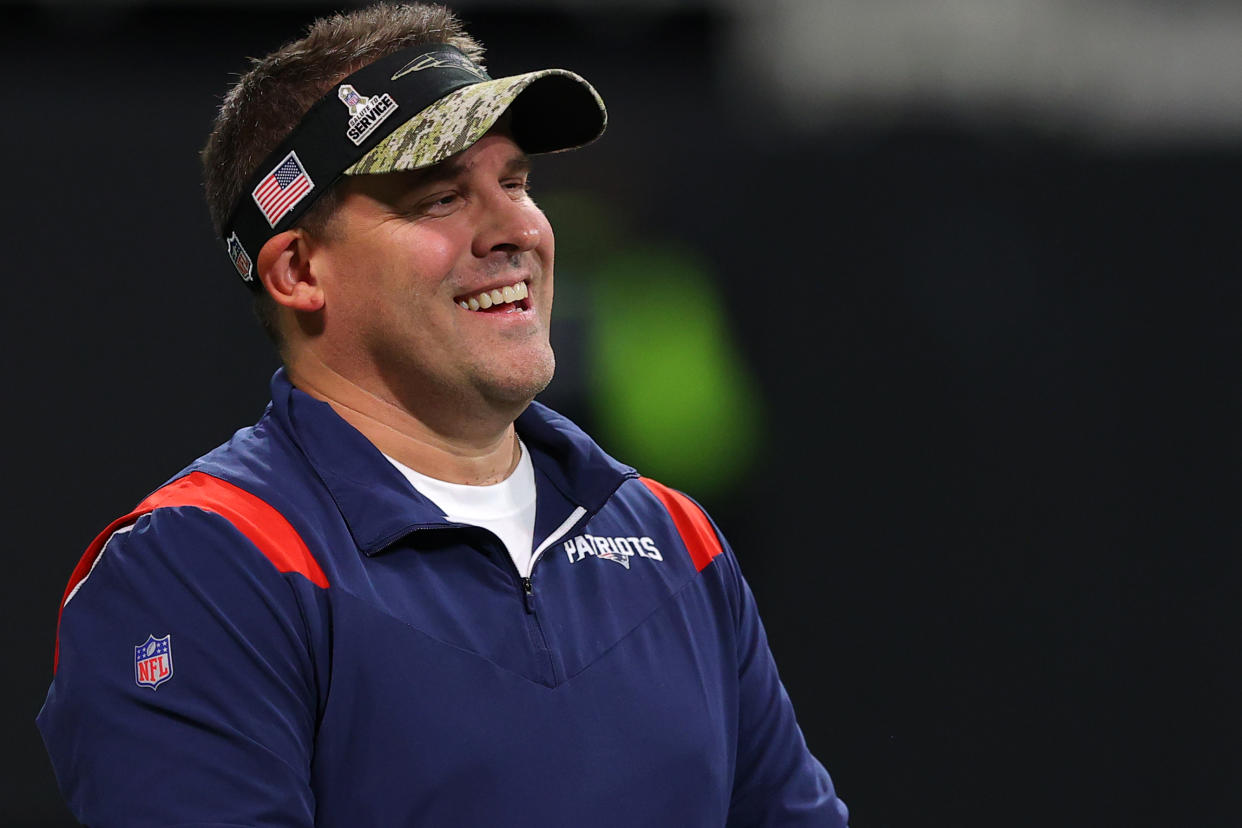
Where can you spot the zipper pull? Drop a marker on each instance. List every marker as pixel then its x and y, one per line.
pixel 528 590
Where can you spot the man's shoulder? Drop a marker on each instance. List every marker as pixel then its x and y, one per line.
pixel 256 477
pixel 251 486
pixel 254 452
pixel 262 459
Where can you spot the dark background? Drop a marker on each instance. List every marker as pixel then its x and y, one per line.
pixel 994 524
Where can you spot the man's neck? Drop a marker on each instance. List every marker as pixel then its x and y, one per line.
pixel 478 456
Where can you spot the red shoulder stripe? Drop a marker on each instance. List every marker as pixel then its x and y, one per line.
pixel 693 526
pixel 263 525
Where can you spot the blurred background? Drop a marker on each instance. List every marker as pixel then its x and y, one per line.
pixel 935 305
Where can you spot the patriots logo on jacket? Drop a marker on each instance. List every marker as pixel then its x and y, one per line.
pixel 153 663
pixel 615 555
pixel 617 550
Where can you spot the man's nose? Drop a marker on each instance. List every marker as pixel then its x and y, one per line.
pixel 508 225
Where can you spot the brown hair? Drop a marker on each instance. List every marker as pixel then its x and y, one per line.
pixel 266 103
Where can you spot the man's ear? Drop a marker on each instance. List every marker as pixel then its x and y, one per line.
pixel 284 269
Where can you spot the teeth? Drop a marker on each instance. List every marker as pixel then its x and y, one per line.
pixel 499 296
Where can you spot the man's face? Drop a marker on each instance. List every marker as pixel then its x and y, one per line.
pixel 408 257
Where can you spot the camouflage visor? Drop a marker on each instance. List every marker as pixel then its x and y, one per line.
pixel 407 111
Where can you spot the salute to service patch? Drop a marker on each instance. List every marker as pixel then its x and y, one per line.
pixel 366 113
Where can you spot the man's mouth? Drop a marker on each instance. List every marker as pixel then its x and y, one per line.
pixel 507 299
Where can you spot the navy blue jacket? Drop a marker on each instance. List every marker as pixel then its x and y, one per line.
pixel 287 634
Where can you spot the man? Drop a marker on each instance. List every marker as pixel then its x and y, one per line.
pixel 409 595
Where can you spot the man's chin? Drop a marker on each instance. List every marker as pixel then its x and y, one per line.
pixel 516 388
pixel 519 394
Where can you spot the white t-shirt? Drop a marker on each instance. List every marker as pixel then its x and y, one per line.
pixel 506 508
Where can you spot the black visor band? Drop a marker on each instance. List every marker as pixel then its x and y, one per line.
pixel 349 121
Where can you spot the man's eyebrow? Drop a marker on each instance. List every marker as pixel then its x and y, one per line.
pixel 451 168
pixel 520 163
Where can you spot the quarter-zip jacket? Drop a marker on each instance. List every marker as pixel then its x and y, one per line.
pixel 288 634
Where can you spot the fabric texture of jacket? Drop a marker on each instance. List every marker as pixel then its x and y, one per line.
pixel 287 634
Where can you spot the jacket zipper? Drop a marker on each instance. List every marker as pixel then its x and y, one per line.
pixel 527 583
pixel 528 586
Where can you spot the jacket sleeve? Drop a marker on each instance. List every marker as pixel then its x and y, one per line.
pixel 219 728
pixel 777 782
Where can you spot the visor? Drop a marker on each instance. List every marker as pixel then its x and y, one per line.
pixel 406 111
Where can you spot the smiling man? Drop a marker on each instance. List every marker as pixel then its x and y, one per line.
pixel 436 336
pixel 409 595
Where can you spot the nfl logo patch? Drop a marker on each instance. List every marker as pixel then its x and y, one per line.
pixel 240 258
pixel 153 661
pixel 350 97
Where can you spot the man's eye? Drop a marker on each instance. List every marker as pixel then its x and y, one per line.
pixel 435 204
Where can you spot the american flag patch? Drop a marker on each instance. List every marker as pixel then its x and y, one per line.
pixel 282 189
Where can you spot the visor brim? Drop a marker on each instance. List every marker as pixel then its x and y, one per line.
pixel 552 110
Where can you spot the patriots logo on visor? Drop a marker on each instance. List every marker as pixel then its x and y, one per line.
pixel 438 59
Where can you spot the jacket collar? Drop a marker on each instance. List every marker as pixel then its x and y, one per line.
pixel 380 506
